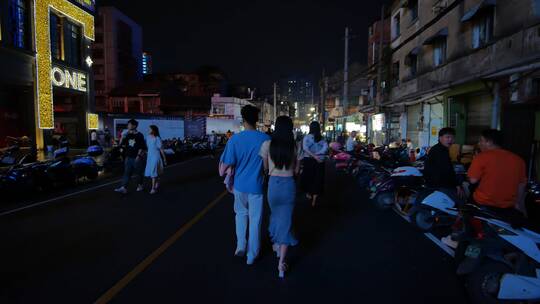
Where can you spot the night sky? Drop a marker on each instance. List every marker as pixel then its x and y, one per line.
pixel 254 42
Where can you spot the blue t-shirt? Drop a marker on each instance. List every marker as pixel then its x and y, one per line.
pixel 242 152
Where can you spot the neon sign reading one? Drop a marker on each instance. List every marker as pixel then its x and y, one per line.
pixel 69 80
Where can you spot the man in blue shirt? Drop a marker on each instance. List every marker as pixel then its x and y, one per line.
pixel 242 153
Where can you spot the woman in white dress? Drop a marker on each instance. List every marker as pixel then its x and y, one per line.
pixel 156 157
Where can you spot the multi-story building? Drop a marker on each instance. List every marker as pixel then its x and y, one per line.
pixel 468 64
pixel 45 79
pixel 297 93
pixel 377 76
pixel 346 118
pixel 117 54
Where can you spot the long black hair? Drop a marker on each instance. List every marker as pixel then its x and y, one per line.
pixel 315 130
pixel 155 131
pixel 282 146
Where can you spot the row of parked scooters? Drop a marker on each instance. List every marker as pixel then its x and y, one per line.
pixel 498 257
pixel 21 173
pixel 178 149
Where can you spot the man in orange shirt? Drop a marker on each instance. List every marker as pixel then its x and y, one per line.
pixel 500 174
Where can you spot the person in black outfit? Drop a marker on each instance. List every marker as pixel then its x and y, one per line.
pixel 438 169
pixel 134 145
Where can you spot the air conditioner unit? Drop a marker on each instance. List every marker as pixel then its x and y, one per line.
pixel 439 6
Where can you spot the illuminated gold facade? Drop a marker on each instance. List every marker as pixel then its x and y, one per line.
pixel 92 121
pixel 42 9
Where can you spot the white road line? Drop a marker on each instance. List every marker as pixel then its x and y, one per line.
pixel 84 190
pixel 430 236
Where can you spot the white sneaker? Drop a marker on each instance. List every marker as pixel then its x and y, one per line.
pixel 140 188
pixel 122 190
pixel 153 191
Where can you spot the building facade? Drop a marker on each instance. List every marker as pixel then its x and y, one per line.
pixel 50 93
pixel 467 64
pixel 117 54
pixel 297 94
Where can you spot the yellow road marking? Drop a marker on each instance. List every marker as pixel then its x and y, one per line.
pixel 113 291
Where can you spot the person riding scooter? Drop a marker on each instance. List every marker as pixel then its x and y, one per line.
pixel 499 178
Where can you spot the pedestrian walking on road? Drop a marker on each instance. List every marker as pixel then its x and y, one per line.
pixel 242 155
pixel 156 160
pixel 280 161
pixel 134 147
pixel 212 142
pixel 351 144
pixel 315 150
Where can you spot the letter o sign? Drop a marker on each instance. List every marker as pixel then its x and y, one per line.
pixel 58 77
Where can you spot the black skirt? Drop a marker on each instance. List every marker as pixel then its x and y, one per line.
pixel 312 179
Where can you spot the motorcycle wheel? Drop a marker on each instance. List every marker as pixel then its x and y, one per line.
pixel 384 201
pixel 483 284
pixel 422 219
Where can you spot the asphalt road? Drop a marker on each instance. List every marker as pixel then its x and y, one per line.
pixel 178 245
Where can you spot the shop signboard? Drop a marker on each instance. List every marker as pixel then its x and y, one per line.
pixel 69 79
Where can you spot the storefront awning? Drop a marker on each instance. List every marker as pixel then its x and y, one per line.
pixel 439 35
pixel 477 8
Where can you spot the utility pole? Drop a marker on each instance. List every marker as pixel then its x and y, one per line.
pixel 346 72
pixel 321 102
pixel 275 103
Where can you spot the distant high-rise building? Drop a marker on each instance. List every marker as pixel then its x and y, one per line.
pixel 146 63
pixel 298 94
pixel 117 53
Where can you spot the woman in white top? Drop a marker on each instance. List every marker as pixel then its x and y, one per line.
pixel 280 161
pixel 315 153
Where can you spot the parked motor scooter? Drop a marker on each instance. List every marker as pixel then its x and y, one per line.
pixel 85 166
pixel 499 258
pixel 19 151
pixel 22 179
pixel 399 189
pixel 436 207
pixel 65 171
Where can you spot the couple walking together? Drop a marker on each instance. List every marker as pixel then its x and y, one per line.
pixel 244 158
pixel 135 148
